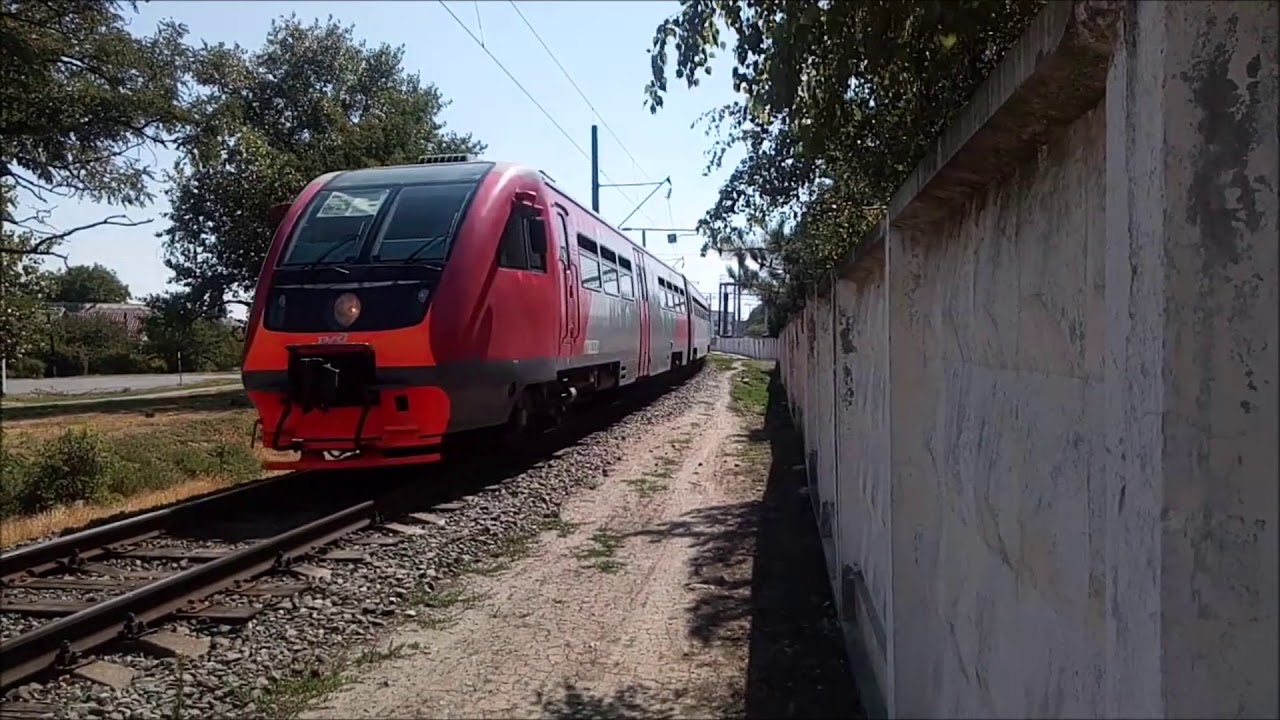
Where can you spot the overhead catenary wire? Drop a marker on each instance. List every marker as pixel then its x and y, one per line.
pixel 609 129
pixel 526 92
pixel 504 69
pixel 581 94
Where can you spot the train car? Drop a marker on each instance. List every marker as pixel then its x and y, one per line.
pixel 401 305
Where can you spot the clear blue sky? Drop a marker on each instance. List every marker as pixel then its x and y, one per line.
pixel 601 45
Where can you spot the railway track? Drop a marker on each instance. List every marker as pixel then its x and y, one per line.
pixel 125 598
pixel 126 576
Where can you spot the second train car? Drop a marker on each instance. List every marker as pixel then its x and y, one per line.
pixel 400 305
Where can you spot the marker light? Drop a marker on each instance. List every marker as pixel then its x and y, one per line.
pixel 346 309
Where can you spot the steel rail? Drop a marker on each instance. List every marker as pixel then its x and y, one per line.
pixel 59 643
pixel 92 542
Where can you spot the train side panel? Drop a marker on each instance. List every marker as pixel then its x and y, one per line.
pixel 608 315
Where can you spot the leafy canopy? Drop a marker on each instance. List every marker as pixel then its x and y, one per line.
pixel 174 328
pixel 87 284
pixel 23 287
pixel 88 337
pixel 80 97
pixel 310 101
pixel 838 101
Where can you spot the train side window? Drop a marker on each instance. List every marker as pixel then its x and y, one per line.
pixel 513 248
pixel 626 286
pixel 609 271
pixel 588 257
pixel 609 274
pixel 535 232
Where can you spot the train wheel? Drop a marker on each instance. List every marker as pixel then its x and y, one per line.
pixel 520 423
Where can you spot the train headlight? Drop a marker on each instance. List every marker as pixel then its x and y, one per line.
pixel 346 309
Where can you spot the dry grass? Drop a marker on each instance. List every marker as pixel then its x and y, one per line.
pixel 16 530
pixel 165 449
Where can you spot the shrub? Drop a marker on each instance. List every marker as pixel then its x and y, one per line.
pixel 77 466
pixel 14 469
pixel 26 367
pixel 128 363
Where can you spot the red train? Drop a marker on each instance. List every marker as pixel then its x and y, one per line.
pixel 400 305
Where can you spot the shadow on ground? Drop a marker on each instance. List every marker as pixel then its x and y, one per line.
pixel 633 701
pixel 760 582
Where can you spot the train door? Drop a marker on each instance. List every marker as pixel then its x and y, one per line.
pixel 569 323
pixel 690 321
pixel 642 302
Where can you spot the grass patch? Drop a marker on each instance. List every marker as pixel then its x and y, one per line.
pixel 561 527
pixel 601 551
pixel 439 608
pixel 55 468
pixel 647 486
pixel 289 696
pixel 750 392
pixel 721 362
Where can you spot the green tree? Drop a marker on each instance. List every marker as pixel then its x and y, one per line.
pixel 837 103
pixel 88 338
pixel 88 284
pixel 175 326
pixel 310 101
pixel 23 290
pixel 80 94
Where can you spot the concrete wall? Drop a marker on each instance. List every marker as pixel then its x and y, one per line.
pixel 1040 406
pixel 752 347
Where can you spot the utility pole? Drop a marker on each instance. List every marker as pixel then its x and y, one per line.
pixel 673 234
pixel 595 168
pixel 596 184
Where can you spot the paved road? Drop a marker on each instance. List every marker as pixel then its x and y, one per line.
pixel 110 383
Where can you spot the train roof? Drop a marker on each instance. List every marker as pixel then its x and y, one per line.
pixel 418 173
pixel 463 168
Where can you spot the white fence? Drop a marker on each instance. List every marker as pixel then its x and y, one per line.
pixel 752 347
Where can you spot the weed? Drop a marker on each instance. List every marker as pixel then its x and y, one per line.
pixel 600 552
pixel 563 528
pixel 393 651
pixel 647 487
pixel 607 565
pixel 456 596
pixel 289 696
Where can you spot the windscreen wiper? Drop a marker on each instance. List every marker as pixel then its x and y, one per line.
pixel 319 262
pixel 428 244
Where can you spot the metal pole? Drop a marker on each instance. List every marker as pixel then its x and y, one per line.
pixel 644 238
pixel 4 376
pixel 737 308
pixel 595 168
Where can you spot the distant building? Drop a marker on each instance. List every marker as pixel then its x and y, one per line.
pixel 131 315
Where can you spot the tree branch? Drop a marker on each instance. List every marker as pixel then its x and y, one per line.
pixel 45 245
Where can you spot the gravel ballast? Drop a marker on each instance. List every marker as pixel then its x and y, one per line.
pixel 302 640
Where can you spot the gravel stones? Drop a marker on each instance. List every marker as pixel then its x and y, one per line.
pixel 304 636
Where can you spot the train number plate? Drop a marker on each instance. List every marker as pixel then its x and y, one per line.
pixel 331 339
pixel 591 347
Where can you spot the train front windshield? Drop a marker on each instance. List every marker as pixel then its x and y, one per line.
pixel 360 225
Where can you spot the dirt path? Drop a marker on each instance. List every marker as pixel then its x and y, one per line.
pixel 624 611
